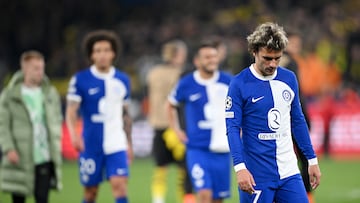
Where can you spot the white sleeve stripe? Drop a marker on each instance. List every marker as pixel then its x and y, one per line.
pixel 173 101
pixel 239 167
pixel 73 97
pixel 313 161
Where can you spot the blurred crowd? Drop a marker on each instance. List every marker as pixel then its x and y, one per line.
pixel 328 62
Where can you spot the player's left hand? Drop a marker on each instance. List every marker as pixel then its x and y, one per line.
pixel 315 174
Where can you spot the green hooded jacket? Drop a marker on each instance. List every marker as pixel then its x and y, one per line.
pixel 16 133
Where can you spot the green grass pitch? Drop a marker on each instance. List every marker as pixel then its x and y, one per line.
pixel 340 184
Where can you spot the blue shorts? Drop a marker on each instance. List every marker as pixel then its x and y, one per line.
pixel 290 189
pixel 93 166
pixel 209 170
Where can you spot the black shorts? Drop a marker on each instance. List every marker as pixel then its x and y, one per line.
pixel 162 155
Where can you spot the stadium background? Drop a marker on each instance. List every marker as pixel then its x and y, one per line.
pixel 330 78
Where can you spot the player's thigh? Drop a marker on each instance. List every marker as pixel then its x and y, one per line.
pixel 116 164
pixel 292 190
pixel 220 175
pixel 264 193
pixel 198 169
pixel 90 169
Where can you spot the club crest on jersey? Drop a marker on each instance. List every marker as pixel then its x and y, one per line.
pixel 228 103
pixel 286 95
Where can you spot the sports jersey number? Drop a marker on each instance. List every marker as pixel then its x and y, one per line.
pixel 100 117
pixel 274 119
pixel 257 193
pixel 87 166
pixel 197 173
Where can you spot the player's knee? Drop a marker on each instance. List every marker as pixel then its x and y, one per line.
pixel 90 194
pixel 119 186
pixel 204 196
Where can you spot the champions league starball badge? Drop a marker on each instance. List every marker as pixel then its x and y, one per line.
pixel 228 103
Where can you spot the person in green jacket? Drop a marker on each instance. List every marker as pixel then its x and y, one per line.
pixel 30 132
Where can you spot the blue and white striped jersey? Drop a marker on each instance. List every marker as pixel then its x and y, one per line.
pixel 262 113
pixel 102 97
pixel 204 109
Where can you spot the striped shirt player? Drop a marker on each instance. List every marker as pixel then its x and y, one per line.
pixel 101 97
pixel 266 117
pixel 262 112
pixel 207 152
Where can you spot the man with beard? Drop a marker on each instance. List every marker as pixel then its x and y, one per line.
pixel 203 93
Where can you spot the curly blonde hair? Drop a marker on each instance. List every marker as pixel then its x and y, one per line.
pixel 269 35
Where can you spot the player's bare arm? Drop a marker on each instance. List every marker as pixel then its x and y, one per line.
pixel 127 128
pixel 127 123
pixel 72 108
pixel 174 122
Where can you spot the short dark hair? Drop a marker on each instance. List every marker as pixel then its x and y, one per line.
pixel 205 44
pixel 217 40
pixel 101 35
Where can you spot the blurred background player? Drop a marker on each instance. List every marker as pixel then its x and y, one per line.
pixel 101 92
pixel 287 60
pixel 30 129
pixel 222 49
pixel 167 148
pixel 203 93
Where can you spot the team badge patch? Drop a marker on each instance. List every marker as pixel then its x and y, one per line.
pixel 228 103
pixel 286 95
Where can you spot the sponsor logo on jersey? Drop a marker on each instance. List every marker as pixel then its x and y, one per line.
pixel 254 100
pixel 195 97
pixel 274 119
pixel 93 91
pixel 271 136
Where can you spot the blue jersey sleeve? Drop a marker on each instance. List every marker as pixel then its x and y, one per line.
pixel 177 95
pixel 74 91
pixel 299 127
pixel 234 103
pixel 128 87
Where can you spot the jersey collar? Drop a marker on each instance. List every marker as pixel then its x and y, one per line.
pixel 100 75
pixel 261 77
pixel 203 81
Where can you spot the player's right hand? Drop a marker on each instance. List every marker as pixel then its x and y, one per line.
pixel 182 135
pixel 13 156
pixel 245 181
pixel 78 143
